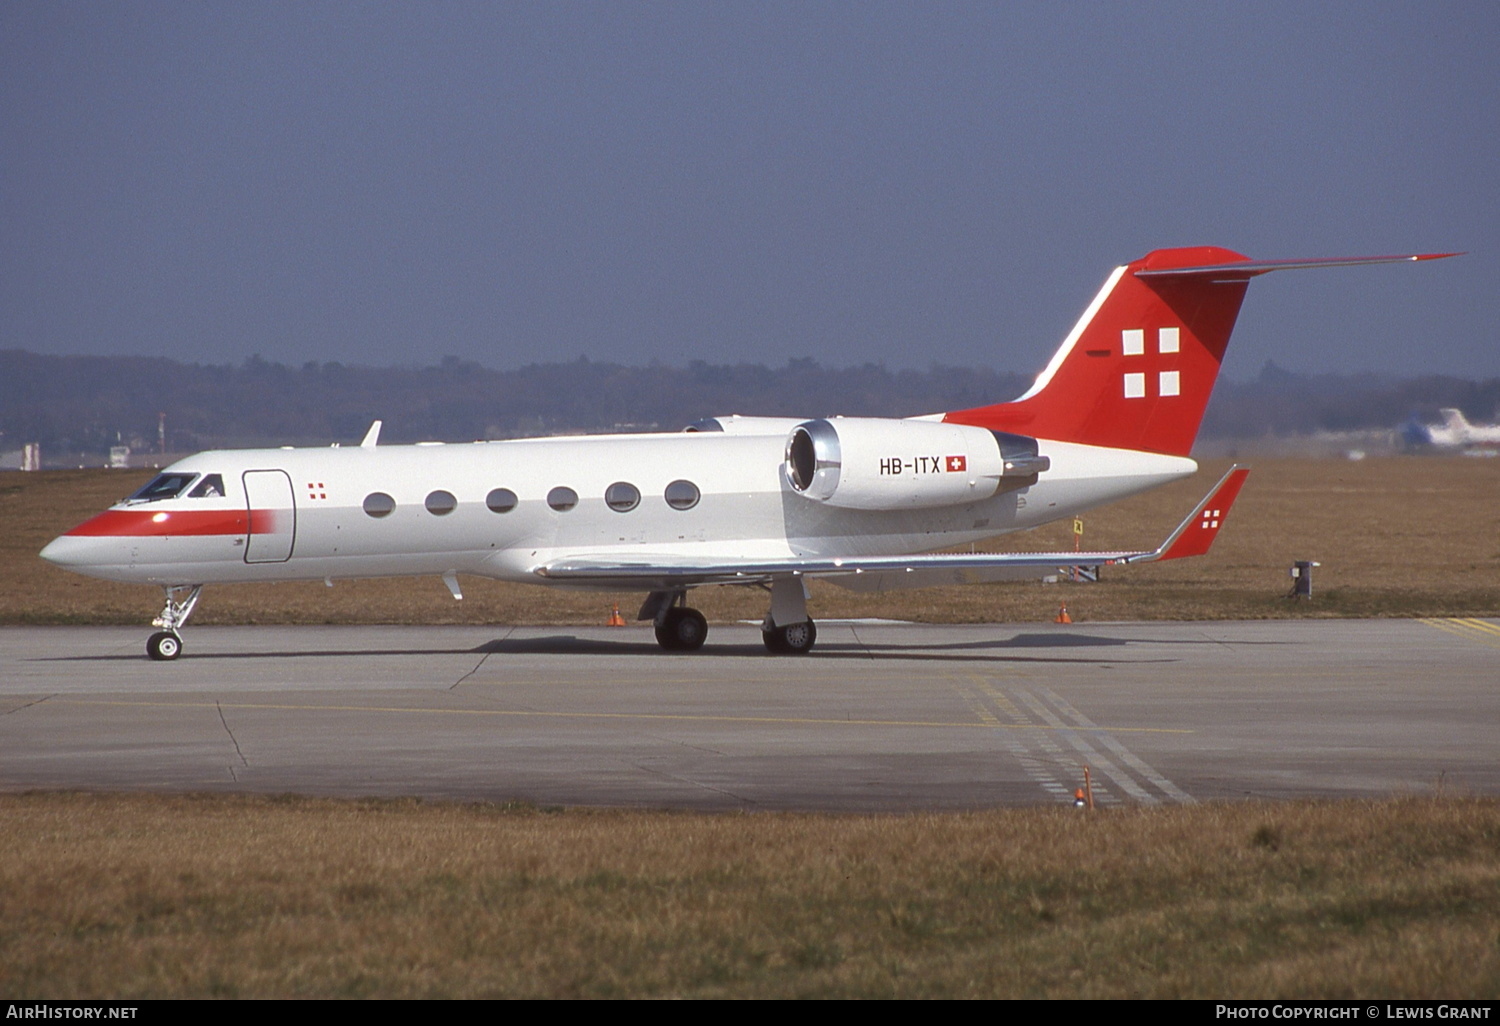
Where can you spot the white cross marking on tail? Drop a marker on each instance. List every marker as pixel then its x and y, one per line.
pixel 1210 519
pixel 1168 342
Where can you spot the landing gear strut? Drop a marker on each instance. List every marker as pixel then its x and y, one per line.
pixel 166 644
pixel 787 629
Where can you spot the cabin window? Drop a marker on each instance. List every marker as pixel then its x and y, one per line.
pixel 501 500
pixel 562 498
pixel 622 496
pixel 379 504
pixel 211 487
pixel 441 503
pixel 682 495
pixel 163 486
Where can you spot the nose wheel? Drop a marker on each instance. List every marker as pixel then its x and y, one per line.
pixel 166 644
pixel 163 645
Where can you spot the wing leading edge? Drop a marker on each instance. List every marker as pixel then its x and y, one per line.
pixel 877 573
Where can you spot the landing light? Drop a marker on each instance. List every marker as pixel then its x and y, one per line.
pixel 160 517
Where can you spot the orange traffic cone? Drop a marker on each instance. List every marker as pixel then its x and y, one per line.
pixel 1062 614
pixel 1079 802
pixel 615 619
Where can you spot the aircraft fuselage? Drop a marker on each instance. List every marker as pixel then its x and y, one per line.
pixel 504 509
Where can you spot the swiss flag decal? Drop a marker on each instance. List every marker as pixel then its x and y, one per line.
pixel 958 464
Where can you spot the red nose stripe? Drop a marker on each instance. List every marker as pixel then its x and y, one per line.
pixel 142 523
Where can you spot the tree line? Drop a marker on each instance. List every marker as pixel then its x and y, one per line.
pixel 86 404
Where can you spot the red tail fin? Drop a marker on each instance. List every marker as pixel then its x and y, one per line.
pixel 1138 368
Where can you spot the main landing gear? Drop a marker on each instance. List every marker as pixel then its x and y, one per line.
pixel 793 639
pixel 787 629
pixel 678 628
pixel 166 644
pixel 681 630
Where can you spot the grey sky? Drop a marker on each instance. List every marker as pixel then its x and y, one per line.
pixel 902 183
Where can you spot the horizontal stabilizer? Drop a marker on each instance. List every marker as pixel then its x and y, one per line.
pixel 1237 270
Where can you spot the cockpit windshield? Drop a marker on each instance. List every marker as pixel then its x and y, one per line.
pixel 163 486
pixel 211 486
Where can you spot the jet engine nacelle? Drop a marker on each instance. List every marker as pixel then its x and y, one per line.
pixel 872 463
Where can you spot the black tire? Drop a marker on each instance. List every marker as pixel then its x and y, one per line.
pixel 682 630
pixel 164 646
pixel 793 639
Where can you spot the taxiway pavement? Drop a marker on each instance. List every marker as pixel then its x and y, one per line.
pixel 889 717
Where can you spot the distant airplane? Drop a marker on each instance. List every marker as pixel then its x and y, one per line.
pixel 1455 432
pixel 754 501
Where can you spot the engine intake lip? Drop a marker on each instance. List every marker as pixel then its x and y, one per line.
pixel 814 459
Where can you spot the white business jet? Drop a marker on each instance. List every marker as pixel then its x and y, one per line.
pixel 764 502
pixel 1455 432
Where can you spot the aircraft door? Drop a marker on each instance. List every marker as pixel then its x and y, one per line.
pixel 273 516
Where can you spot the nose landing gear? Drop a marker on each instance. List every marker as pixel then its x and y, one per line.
pixel 166 644
pixel 163 645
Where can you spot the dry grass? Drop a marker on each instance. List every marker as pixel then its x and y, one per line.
pixel 1397 536
pixel 141 896
pixel 148 896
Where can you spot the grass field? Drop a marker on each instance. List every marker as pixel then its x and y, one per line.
pixel 241 896
pixel 1397 536
pixel 199 896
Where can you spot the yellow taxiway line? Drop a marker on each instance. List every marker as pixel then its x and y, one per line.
pixel 654 717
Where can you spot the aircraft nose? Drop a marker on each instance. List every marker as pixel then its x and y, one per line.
pixel 66 552
pixel 96 557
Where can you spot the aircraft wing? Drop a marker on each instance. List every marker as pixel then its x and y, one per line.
pixel 877 573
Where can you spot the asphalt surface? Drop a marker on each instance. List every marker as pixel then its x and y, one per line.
pixel 888 717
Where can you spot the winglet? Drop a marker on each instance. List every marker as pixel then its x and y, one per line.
pixel 1195 534
pixel 372 436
